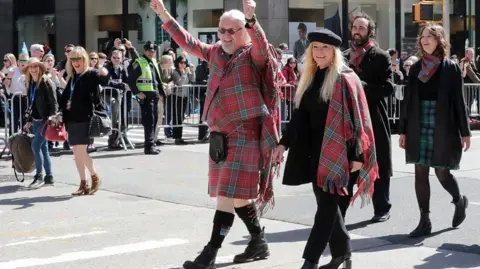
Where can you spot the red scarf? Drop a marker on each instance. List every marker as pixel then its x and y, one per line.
pixel 430 64
pixel 348 106
pixel 357 53
pixel 269 137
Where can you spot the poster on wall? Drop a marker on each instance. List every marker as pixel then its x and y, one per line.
pixel 209 38
pixel 297 36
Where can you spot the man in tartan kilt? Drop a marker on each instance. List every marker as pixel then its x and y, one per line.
pixel 240 110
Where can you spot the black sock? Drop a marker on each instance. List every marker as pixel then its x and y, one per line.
pixel 222 221
pixel 249 216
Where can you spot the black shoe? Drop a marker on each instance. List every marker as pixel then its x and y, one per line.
pixel 381 217
pixel 336 262
pixel 206 259
pixel 309 265
pixel 152 151
pixel 424 227
pixel 180 142
pixel 460 211
pixel 159 143
pixel 49 181
pixel 257 249
pixel 37 181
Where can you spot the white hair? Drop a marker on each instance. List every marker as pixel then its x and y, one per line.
pixel 234 14
pixel 36 47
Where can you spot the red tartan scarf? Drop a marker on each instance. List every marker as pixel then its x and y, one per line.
pixel 357 53
pixel 430 64
pixel 348 123
pixel 269 134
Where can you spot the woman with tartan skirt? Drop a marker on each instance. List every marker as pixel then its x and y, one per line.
pixel 330 141
pixel 240 110
pixel 433 124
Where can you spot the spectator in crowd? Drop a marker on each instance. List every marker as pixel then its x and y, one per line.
pixel 42 104
pixel 36 51
pixel 202 74
pixel 15 86
pixel 182 75
pixel 166 71
pixel 470 74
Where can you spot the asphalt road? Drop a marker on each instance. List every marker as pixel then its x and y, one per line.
pixel 155 199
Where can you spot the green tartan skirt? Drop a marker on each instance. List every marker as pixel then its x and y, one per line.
pixel 427 131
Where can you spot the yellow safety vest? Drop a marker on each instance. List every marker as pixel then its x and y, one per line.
pixel 145 81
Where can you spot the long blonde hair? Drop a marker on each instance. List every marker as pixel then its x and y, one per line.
pixel 77 52
pixel 12 59
pixel 310 68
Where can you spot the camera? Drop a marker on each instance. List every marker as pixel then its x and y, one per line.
pixel 124 41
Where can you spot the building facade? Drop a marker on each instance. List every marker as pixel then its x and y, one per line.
pixel 93 23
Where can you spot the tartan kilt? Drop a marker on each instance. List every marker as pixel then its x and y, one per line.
pixel 238 177
pixel 427 132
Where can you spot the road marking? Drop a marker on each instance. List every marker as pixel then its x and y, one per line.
pixel 83 255
pixel 68 236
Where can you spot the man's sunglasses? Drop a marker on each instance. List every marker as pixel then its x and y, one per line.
pixel 231 31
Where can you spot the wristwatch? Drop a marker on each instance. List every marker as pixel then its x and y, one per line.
pixel 252 20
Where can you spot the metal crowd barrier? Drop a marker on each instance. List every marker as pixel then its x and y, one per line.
pixel 472 94
pixel 5 109
pixel 113 99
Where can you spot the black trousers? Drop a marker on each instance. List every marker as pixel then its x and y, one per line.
pixel 328 227
pixel 149 107
pixel 380 198
pixel 179 108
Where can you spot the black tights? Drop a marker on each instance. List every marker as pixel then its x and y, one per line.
pixel 422 185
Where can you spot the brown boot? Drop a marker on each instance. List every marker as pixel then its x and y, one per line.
pixel 95 184
pixel 83 189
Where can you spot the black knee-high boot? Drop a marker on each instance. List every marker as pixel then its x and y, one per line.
pixel 222 221
pixel 257 248
pixel 450 184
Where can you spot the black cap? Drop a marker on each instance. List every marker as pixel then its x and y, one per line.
pixel 150 46
pixel 325 36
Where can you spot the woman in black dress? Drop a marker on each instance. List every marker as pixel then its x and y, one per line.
pixel 433 125
pixel 78 99
pixel 330 141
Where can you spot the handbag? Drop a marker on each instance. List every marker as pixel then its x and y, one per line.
pixel 54 131
pixel 218 147
pixel 100 124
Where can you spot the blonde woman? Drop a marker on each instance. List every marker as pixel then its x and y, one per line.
pixel 166 70
pixel 331 142
pixel 42 105
pixel 15 85
pixel 80 97
pixel 94 60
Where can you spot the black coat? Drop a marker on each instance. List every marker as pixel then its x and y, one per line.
pixel 377 78
pixel 45 99
pixel 451 121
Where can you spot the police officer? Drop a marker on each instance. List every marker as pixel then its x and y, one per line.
pixel 144 81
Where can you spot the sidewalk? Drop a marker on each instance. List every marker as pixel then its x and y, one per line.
pixel 47 228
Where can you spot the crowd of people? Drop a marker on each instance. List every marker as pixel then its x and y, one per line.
pixel 338 134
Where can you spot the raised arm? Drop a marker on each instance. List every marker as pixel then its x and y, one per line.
pixel 259 51
pixel 184 39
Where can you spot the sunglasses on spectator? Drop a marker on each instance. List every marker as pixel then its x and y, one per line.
pixel 231 31
pixel 183 62
pixel 5 60
pixel 93 59
pixel 76 59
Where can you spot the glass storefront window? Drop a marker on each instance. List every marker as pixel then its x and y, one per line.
pixel 36 29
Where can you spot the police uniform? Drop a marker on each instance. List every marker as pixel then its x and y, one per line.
pixel 144 77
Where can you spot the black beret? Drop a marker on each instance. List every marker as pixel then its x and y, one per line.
pixel 150 46
pixel 325 36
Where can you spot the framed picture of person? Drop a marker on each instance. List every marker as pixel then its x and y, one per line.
pixel 297 37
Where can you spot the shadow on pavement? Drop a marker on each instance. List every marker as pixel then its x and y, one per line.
pixel 298 235
pixel 108 156
pixel 448 259
pixel 358 225
pixel 13 188
pixel 404 239
pixel 25 202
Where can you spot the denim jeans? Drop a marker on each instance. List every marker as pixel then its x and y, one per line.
pixel 40 149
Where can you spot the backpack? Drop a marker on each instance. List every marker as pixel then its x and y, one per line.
pixel 20 145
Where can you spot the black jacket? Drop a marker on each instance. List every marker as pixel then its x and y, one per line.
pixel 85 97
pixel 377 79
pixel 45 99
pixel 451 121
